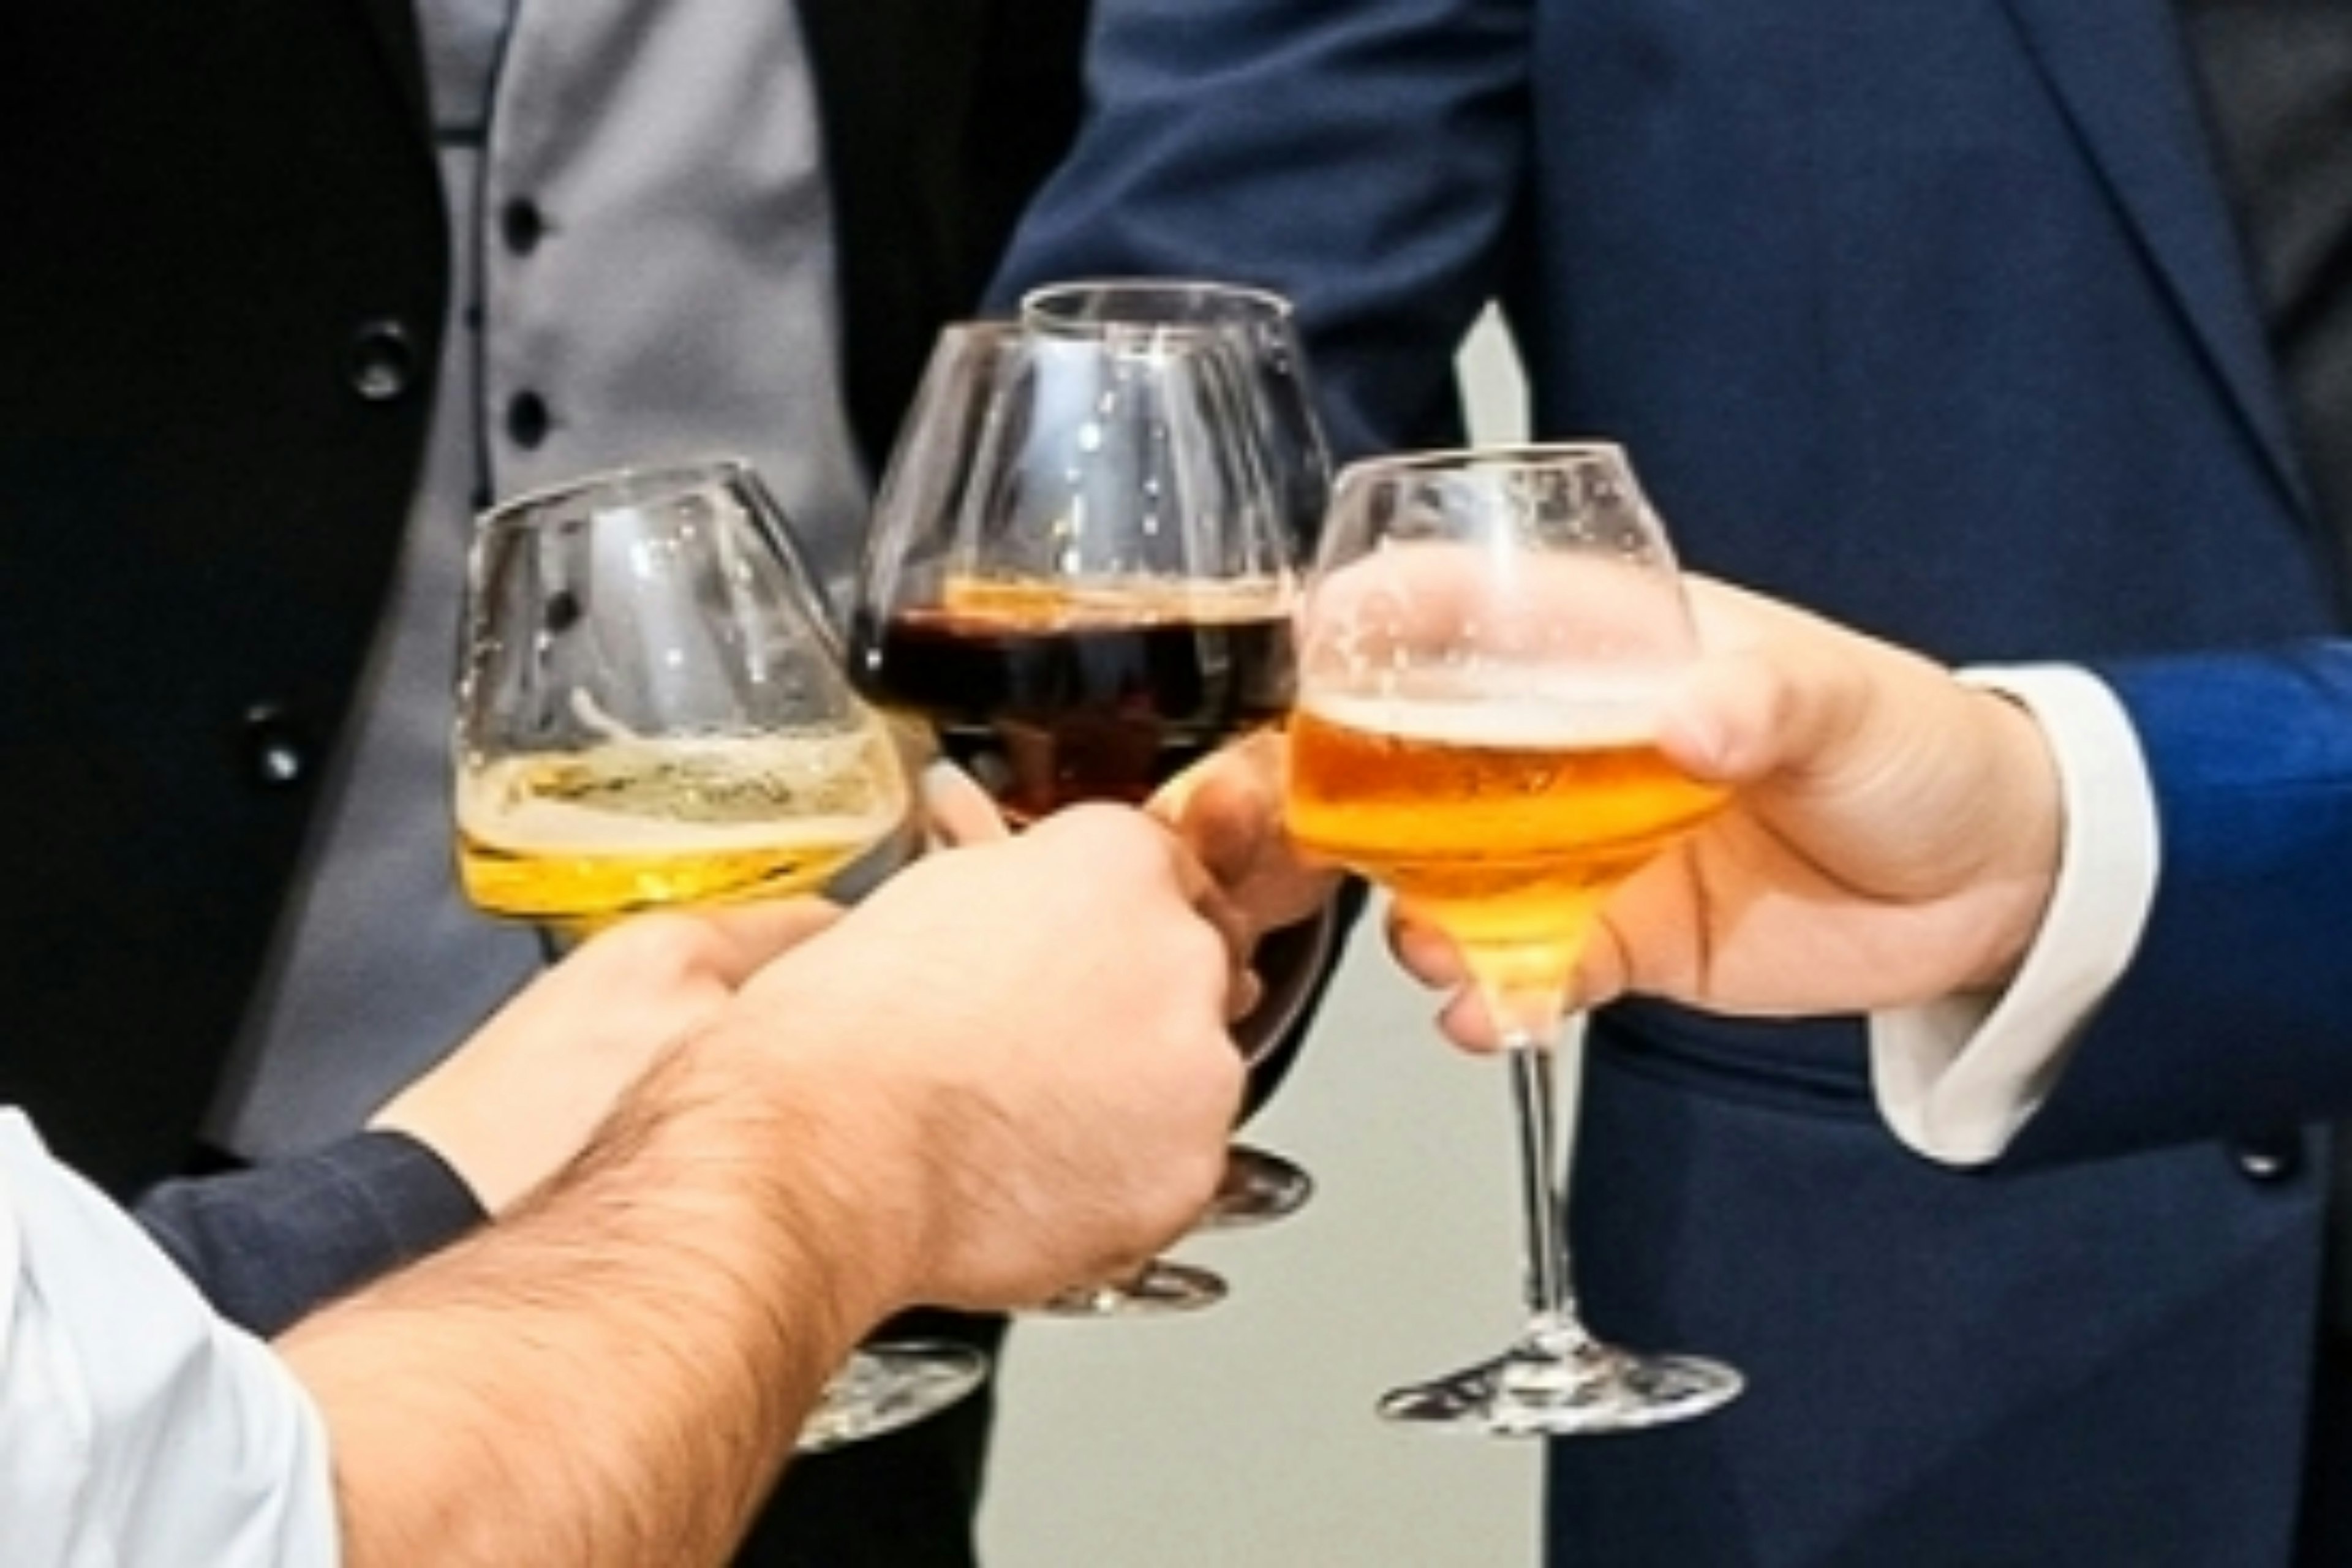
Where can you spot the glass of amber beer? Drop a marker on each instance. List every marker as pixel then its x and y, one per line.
pixel 1481 651
pixel 1079 574
pixel 651 712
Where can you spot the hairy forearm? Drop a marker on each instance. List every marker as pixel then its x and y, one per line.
pixel 615 1374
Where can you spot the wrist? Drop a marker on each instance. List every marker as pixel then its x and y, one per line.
pixel 813 1171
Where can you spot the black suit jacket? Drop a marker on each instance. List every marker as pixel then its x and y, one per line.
pixel 219 319
pixel 223 304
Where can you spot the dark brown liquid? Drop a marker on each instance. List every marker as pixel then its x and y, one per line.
pixel 1046 713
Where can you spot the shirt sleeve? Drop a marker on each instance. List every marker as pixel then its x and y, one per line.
pixel 137 1430
pixel 1956 1077
pixel 270 1245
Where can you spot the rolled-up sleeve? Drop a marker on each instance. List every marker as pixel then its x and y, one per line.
pixel 268 1246
pixel 137 1428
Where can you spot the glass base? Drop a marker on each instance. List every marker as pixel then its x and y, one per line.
pixel 884 1387
pixel 1159 1287
pixel 1258 1187
pixel 1546 1387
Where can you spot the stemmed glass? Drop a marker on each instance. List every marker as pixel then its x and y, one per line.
pixel 1482 651
pixel 1080 573
pixel 1259 332
pixel 651 712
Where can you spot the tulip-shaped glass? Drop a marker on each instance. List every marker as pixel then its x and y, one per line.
pixel 1483 648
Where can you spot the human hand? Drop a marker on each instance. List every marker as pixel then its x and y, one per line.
pixel 1893 837
pixel 1227 809
pixel 1019 1047
pixel 957 813
pixel 520 1098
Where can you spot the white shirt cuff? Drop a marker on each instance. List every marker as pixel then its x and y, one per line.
pixel 1956 1077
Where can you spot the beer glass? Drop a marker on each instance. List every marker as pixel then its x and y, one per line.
pixel 1079 574
pixel 1481 651
pixel 651 712
pixel 1258 330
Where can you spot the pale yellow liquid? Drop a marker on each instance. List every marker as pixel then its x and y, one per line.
pixel 580 839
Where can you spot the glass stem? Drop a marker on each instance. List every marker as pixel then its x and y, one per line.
pixel 1552 1322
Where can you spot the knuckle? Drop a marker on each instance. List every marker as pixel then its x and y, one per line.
pixel 666 943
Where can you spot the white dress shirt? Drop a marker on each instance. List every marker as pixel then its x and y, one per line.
pixel 1955 1079
pixel 137 1429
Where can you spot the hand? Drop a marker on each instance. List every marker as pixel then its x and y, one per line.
pixel 520 1098
pixel 1036 1025
pixel 957 812
pixel 1227 809
pixel 1894 839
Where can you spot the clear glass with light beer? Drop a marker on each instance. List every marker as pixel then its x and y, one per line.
pixel 652 712
pixel 1482 649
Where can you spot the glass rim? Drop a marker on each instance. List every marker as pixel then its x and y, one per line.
pixel 1277 308
pixel 631 484
pixel 1476 459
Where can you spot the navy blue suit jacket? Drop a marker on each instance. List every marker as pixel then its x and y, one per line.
pixel 2238 1001
pixel 1926 312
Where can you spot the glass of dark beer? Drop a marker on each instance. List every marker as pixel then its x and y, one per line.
pixel 1080 573
pixel 1259 327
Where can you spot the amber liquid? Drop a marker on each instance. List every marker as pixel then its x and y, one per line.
pixel 579 839
pixel 1050 694
pixel 1506 825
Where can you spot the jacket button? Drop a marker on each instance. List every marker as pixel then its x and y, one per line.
pixel 383 362
pixel 526 419
pixel 274 745
pixel 521 225
pixel 2273 1157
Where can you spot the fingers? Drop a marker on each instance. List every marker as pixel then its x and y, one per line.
pixel 1739 713
pixel 1465 1021
pixel 750 934
pixel 956 810
pixel 1227 808
pixel 1225 805
pixel 1191 880
pixel 1425 953
pixel 1228 919
pixel 1430 956
pixel 726 942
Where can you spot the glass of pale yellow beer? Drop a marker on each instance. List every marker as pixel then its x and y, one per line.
pixel 651 712
pixel 1482 649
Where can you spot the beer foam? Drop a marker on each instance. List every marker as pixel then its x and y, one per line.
pixel 559 827
pixel 1531 709
pixel 1033 605
pixel 862 799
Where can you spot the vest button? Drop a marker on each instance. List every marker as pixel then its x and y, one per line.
pixel 382 361
pixel 526 419
pixel 275 746
pixel 522 226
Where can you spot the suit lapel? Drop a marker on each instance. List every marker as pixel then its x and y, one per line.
pixel 2118 69
pixel 393 23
